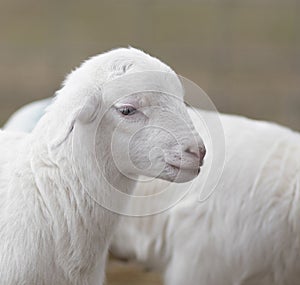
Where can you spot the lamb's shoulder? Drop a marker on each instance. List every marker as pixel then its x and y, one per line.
pixel 17 183
pixel 9 144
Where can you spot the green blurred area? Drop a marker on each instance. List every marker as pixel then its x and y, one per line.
pixel 244 54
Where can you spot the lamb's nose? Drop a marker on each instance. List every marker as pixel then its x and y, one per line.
pixel 199 152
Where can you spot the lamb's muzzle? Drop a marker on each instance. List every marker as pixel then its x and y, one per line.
pixel 198 151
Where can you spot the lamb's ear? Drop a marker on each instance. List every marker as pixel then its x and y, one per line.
pixel 85 114
pixel 89 111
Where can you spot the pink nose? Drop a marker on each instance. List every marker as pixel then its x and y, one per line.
pixel 199 152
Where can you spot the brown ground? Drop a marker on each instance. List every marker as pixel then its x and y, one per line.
pixel 123 273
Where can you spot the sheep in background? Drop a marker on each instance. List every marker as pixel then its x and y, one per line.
pixel 52 228
pixel 247 232
pixel 25 119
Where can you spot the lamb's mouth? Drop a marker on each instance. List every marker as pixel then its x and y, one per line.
pixel 174 173
pixel 179 168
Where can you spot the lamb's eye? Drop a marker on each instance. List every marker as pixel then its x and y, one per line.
pixel 127 110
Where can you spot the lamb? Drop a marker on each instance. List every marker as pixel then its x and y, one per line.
pixel 56 193
pixel 246 233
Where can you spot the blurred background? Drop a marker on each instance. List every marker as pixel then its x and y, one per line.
pixel 244 54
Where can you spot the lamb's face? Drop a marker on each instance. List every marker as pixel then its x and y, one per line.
pixel 134 104
pixel 149 129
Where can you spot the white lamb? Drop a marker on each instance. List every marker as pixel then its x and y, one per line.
pixel 52 228
pixel 246 233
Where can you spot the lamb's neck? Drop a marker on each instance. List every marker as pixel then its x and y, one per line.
pixel 145 240
pixel 74 199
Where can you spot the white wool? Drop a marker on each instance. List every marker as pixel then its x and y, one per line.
pixel 247 232
pixel 25 119
pixel 51 231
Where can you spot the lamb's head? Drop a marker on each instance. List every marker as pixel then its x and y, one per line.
pixel 134 105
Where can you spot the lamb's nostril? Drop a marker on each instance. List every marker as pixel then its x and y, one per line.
pixel 197 151
pixel 193 150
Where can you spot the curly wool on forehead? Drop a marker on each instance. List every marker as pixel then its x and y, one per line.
pixel 114 63
pixel 124 59
pixel 117 62
pixel 98 70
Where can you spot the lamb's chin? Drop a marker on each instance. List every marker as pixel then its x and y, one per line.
pixel 179 175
